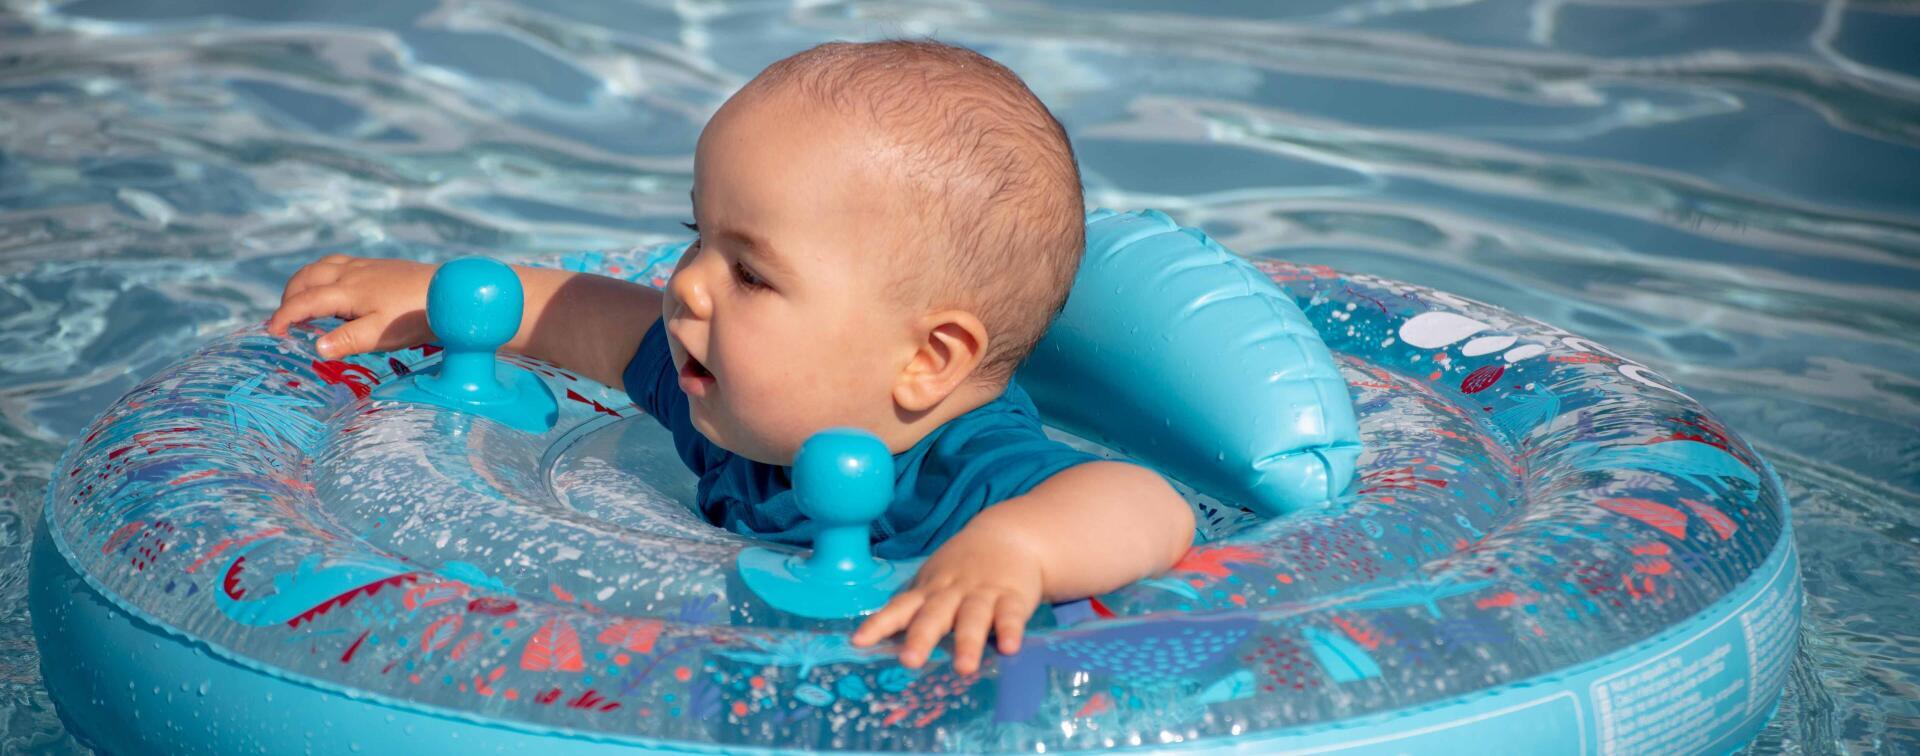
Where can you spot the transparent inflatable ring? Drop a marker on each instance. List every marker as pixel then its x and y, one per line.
pixel 1429 525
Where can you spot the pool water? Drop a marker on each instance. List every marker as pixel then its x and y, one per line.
pixel 1725 191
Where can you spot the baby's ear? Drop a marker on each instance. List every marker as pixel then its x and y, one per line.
pixel 951 345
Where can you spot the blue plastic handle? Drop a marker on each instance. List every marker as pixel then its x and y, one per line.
pixel 474 305
pixel 842 479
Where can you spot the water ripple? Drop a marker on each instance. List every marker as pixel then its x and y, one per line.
pixel 1722 190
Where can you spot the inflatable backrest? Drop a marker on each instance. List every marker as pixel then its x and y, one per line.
pixel 1180 354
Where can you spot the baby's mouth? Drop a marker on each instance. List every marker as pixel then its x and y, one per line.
pixel 696 377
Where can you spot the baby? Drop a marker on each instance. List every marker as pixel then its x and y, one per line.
pixel 885 231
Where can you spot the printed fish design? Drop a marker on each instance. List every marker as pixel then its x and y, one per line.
pixel 1423 592
pixel 306 593
pixel 1527 411
pixel 1692 461
pixel 284 419
pixel 1344 660
pixel 803 650
pixel 1213 561
pixel 597 406
pixel 1153 649
pixel 143 487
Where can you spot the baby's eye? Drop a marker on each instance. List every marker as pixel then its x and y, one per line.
pixel 747 278
pixel 691 226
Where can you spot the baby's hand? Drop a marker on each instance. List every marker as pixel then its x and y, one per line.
pixel 383 301
pixel 981 578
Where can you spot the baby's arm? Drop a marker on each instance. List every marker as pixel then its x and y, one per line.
pixel 1087 530
pixel 585 323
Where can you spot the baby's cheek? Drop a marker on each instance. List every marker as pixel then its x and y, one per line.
pixel 754 424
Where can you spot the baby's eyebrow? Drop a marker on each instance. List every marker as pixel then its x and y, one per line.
pixel 757 248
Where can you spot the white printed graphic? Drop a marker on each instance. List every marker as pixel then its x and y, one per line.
pixel 1440 329
pixel 1437 330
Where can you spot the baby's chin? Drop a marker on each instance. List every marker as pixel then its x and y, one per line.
pixel 762 452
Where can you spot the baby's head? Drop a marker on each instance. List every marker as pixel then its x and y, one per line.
pixel 886 230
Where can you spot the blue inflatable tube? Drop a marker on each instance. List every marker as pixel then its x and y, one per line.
pixel 1542 544
pixel 1165 342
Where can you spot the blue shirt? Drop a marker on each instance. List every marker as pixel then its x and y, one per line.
pixel 995 452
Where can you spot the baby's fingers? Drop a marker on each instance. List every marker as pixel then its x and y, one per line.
pixel 374 333
pixel 970 632
pixel 929 626
pixel 891 618
pixel 317 302
pixel 1010 622
pixel 327 270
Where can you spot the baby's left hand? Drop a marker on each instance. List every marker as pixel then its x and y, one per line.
pixel 982 578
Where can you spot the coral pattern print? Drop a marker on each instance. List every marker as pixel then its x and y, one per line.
pixel 1528 501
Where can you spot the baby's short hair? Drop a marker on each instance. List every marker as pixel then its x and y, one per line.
pixel 1007 217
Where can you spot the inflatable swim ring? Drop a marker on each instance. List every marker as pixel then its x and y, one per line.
pixel 1543 542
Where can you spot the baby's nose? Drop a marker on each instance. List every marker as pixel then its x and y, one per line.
pixel 689 293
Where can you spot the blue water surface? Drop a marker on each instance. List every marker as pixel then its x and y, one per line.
pixel 1726 191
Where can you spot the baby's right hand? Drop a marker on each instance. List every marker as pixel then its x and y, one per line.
pixel 383 301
